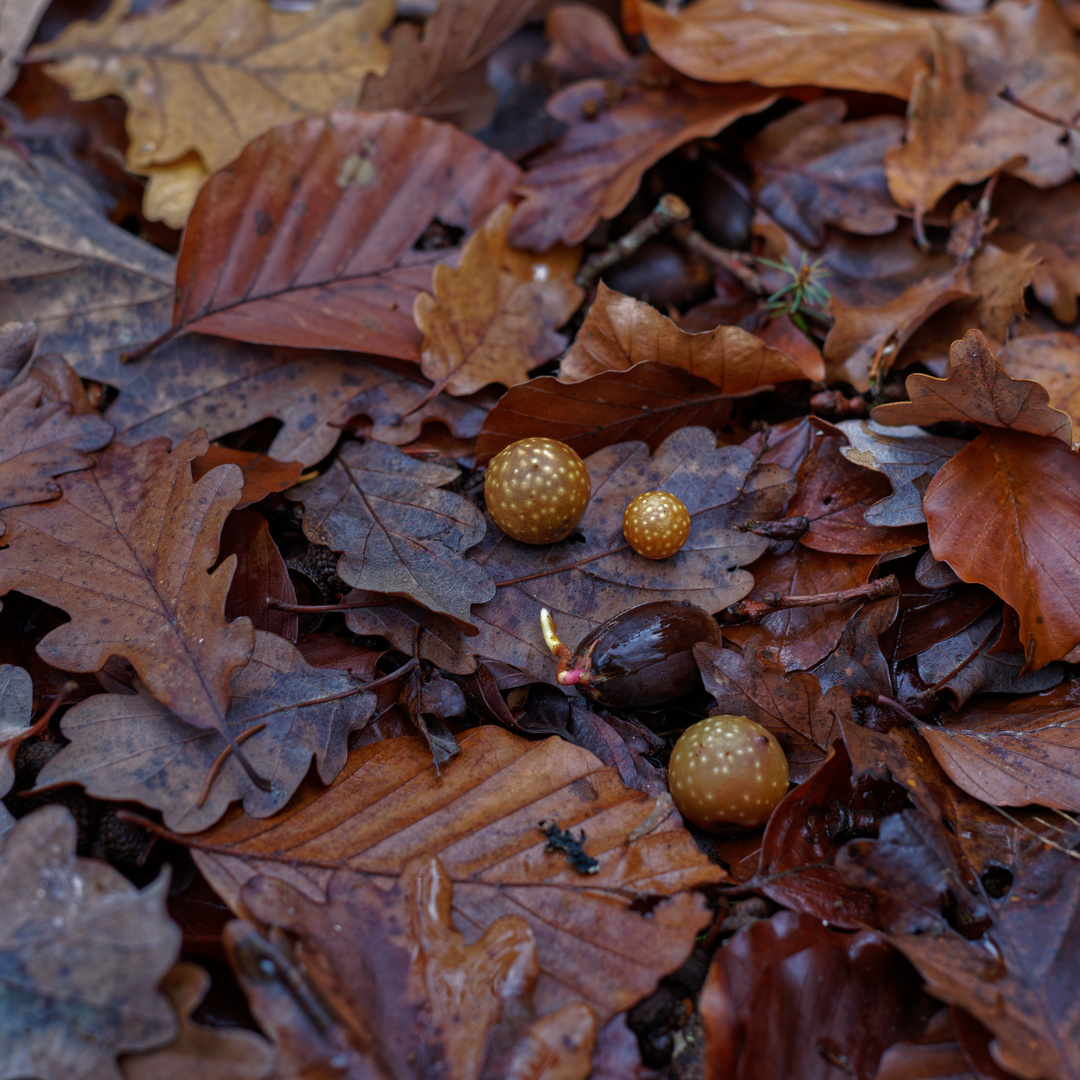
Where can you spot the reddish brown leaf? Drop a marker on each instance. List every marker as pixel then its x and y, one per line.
pixel 620 332
pixel 617 128
pixel 783 990
pixel 400 534
pixel 960 131
pixel 132 747
pixel 479 819
pixel 416 997
pixel 1015 751
pixel 40 440
pixel 649 402
pixel 845 44
pixel 1003 513
pixel 263 475
pixel 85 950
pixel 331 262
pixel 1050 360
pixel 835 495
pixel 977 391
pixel 261 578
pixel 813 170
pixel 584 42
pixel 126 553
pixel 493 318
pixel 806 721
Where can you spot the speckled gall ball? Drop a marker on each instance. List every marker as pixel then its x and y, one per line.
pixel 536 490
pixel 727 773
pixel 656 524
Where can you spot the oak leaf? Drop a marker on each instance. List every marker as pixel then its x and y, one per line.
pixel 480 819
pixel 400 534
pixel 16 717
pixel 977 391
pixel 209 77
pixel 493 318
pixel 263 475
pixel 127 553
pixel 129 746
pixel 813 170
pixel 844 44
pixel 1049 359
pixel 17 26
pixel 619 332
pixel 617 129
pixel 415 995
pixel 336 260
pixel 84 951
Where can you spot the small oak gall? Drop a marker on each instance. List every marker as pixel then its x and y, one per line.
pixel 536 490
pixel 727 773
pixel 656 524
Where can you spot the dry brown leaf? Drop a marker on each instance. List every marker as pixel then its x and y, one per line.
pixel 844 44
pixel 813 170
pixel 413 994
pixel 211 1053
pixel 16 716
pixel 83 950
pixel 262 579
pixel 960 131
pixel 617 129
pixel 18 22
pixel 263 475
pixel 441 71
pixel 129 746
pixel 977 391
pixel 126 553
pixel 1053 361
pixel 493 318
pixel 620 331
pixel 209 77
pixel 1003 513
pixel 584 43
pixel 480 820
pixel 336 260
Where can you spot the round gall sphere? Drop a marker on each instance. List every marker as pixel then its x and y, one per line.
pixel 727 773
pixel 536 490
pixel 656 524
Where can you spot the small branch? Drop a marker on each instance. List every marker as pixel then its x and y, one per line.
pixel 325 609
pixel 669 210
pixel 872 590
pixel 892 703
pixel 1057 121
pixel 734 262
pixel 792 528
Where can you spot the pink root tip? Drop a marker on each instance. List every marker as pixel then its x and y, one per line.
pixel 569 678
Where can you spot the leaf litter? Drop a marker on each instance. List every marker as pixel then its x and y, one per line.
pixel 807 265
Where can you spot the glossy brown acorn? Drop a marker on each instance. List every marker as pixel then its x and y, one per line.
pixel 641 657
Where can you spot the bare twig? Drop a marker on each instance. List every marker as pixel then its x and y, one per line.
pixel 872 590
pixel 736 263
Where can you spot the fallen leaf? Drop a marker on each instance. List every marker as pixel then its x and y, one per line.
pixel 214 1053
pixel 129 746
pixel 335 261
pixel 823 996
pixel 584 43
pixel 791 706
pixel 909 456
pixel 40 440
pixel 400 534
pixel 977 391
pixel 843 44
pixel 1046 219
pixel 126 553
pixel 1002 513
pixel 84 951
pixel 960 131
pixel 16 717
pixel 261 579
pixel 417 997
pixel 263 475
pixel 857 663
pixel 209 77
pixel 90 287
pixel 968 663
pixel 834 496
pixel 813 170
pixel 617 128
pixel 493 318
pixel 224 386
pixel 1014 751
pixel 480 819
pixel 650 402
pixel 17 25
pixel 441 71
pixel 619 332
pixel 1050 360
